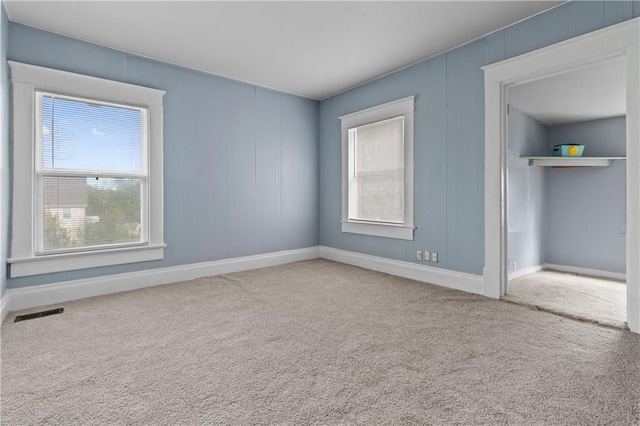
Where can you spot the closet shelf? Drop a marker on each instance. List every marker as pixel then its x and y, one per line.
pixel 571 161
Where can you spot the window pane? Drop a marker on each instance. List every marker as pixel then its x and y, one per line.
pixel 380 146
pixel 381 197
pixel 87 212
pixel 379 171
pixel 90 136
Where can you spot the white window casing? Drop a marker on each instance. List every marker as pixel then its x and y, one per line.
pixel 350 223
pixel 26 256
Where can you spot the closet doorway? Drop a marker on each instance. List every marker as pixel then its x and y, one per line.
pixel 611 43
pixel 566 215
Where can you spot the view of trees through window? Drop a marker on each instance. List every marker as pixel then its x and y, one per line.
pixel 109 213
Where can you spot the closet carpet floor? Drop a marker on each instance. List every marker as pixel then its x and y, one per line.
pixel 582 297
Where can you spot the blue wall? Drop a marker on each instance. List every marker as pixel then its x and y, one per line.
pixel 240 161
pixel 526 195
pixel 449 136
pixel 249 170
pixel 4 148
pixel 571 217
pixel 586 207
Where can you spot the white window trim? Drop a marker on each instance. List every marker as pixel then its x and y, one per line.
pixel 27 79
pixel 401 107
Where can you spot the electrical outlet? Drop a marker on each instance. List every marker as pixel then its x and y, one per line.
pixel 434 256
pixel 427 256
pixel 419 255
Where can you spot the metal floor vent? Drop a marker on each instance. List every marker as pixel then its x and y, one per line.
pixel 39 314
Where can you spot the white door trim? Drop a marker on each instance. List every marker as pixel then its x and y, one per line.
pixel 619 40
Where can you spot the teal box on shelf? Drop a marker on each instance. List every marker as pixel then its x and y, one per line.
pixel 568 150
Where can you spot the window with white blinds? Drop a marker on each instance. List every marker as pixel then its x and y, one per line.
pixel 91 177
pixel 377 149
pixel 87 172
pixel 377 173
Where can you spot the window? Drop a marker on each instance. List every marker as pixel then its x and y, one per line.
pixel 89 161
pixel 66 213
pixel 377 170
pixel 87 172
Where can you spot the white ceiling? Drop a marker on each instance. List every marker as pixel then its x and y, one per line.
pixel 313 49
pixel 587 94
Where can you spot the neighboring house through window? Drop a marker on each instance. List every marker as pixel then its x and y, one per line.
pixel 64 207
pixel 93 160
pixel 66 211
pixel 377 170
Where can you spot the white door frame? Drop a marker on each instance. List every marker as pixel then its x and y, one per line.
pixel 616 41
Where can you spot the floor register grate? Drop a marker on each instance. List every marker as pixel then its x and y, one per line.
pixel 38 314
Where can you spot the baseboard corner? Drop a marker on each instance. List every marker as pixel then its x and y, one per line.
pixel 526 271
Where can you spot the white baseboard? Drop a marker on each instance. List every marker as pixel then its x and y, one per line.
pixel 4 306
pixel 442 277
pixel 526 271
pixel 569 269
pixel 29 297
pixel 586 271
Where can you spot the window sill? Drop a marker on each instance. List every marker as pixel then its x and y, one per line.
pixel 387 230
pixel 23 267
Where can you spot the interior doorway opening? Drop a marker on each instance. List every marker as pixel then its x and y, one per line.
pixel 615 42
pixel 566 193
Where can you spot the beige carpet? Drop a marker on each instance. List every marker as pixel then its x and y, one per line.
pixel 587 298
pixel 314 342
